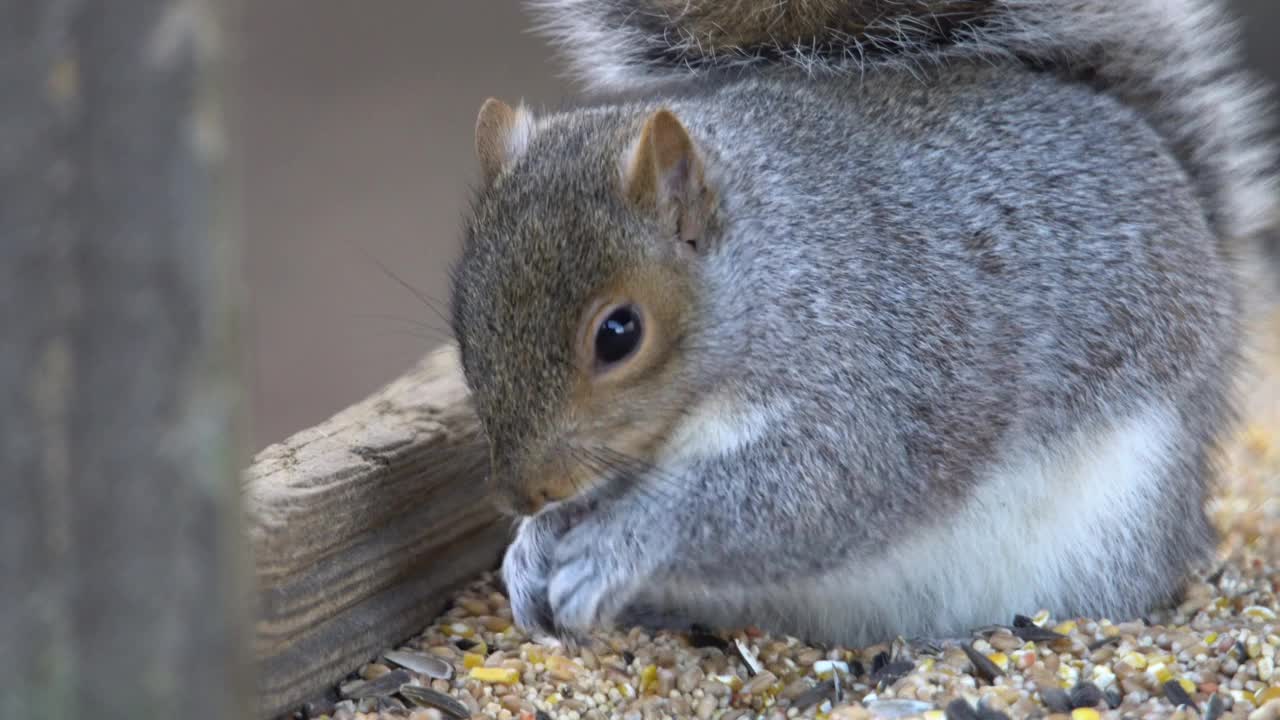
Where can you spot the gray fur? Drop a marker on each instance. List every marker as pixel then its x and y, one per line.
pixel 916 277
pixel 1176 62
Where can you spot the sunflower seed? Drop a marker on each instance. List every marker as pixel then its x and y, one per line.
pixel 429 665
pixel 880 660
pixel 748 658
pixel 1114 697
pixel 960 709
pixel 386 685
pixel 426 697
pixel 1035 633
pixel 825 690
pixel 990 713
pixel 1214 709
pixel 892 672
pixel 1056 699
pixel 1177 695
pixel 983 666
pixel 1085 695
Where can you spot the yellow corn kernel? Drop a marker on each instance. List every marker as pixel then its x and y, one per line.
pixel 506 676
pixel 562 668
pixel 1085 714
pixel 1000 659
pixel 1161 672
pixel 481 647
pixel 1137 661
pixel 1041 618
pixel 934 715
pixel 1065 628
pixel 472 660
pixel 1262 697
pixel 554 699
pixel 1188 686
pixel 1259 612
pixel 535 655
pixel 1211 638
pixel 649 678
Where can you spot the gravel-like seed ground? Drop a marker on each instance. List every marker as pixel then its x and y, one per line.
pixel 1213 656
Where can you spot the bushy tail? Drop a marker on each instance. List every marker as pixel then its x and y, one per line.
pixel 1176 61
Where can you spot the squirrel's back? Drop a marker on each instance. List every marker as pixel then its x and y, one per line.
pixel 1174 62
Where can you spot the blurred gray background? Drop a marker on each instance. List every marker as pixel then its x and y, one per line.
pixel 356 120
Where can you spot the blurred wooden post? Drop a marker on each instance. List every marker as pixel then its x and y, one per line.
pixel 122 582
pixel 363 526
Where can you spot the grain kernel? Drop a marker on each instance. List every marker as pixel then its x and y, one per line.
pixel 502 675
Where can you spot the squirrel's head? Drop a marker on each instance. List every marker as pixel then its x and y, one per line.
pixel 576 294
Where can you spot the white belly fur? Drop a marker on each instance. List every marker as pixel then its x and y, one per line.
pixel 1044 526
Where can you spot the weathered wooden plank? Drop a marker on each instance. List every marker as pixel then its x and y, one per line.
pixel 361 527
pixel 123 587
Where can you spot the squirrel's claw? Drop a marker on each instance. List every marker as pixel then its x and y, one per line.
pixel 564 584
pixel 524 571
pixel 585 590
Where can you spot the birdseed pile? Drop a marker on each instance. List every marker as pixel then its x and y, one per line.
pixel 1213 656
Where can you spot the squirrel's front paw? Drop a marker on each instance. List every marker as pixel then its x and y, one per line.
pixel 525 571
pixel 588 586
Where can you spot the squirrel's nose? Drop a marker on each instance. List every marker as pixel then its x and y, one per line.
pixel 532 500
pixel 529 504
pixel 518 503
pixel 525 492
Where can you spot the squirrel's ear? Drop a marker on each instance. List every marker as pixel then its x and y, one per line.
pixel 502 134
pixel 664 173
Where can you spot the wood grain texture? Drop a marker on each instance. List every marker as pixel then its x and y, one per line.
pixel 362 526
pixel 123 581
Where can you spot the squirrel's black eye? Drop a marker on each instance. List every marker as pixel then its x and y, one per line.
pixel 618 335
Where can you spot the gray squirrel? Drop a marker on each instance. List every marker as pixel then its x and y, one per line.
pixel 851 319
